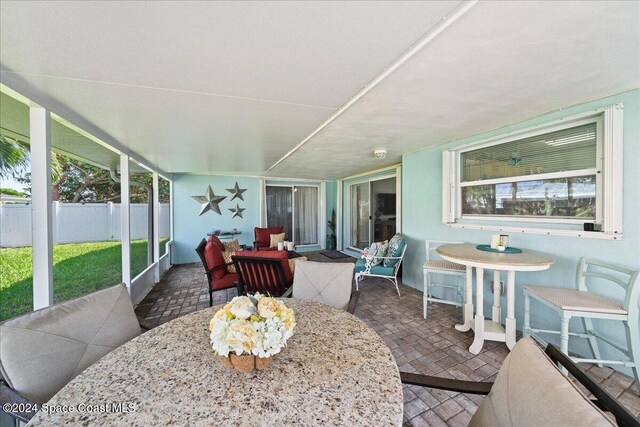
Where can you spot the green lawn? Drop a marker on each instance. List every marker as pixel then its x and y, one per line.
pixel 78 269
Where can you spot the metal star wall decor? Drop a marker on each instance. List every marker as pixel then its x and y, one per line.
pixel 209 201
pixel 237 211
pixel 237 192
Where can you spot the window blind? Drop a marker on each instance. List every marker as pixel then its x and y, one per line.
pixel 560 151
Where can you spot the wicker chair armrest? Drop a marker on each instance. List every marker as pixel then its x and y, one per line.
pixel 353 301
pixel 9 397
pixel 449 384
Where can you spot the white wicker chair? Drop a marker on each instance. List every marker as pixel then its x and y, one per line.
pixel 389 273
pixel 436 265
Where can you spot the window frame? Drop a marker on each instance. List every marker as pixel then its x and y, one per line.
pixel 608 172
pixel 392 173
pixel 535 177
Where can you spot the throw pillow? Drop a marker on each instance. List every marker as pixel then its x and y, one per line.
pixel 231 268
pixel 275 239
pixel 231 246
pixel 395 249
pixel 382 251
pixel 214 258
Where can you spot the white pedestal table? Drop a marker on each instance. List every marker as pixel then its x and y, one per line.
pixel 491 329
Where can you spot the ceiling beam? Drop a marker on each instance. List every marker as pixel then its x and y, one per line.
pixel 446 22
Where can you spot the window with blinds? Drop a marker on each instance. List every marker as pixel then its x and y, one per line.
pixel 552 174
pixel 570 149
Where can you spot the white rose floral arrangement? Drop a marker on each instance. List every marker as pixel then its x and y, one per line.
pixel 250 330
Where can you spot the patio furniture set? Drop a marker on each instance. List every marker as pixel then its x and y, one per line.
pixel 458 260
pixel 93 350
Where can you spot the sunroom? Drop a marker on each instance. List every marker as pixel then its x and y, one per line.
pixel 320 213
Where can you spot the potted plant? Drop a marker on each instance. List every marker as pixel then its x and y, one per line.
pixel 331 241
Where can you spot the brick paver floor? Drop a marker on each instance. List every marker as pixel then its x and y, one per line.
pixel 431 346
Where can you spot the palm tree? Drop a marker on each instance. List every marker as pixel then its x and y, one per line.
pixel 13 156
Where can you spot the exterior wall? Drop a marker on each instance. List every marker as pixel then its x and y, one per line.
pixel 189 228
pixel 422 210
pixel 77 222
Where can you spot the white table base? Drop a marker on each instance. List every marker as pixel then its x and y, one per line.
pixel 489 329
pixel 468 306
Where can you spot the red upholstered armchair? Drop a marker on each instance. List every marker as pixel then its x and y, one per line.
pixel 263 237
pixel 210 253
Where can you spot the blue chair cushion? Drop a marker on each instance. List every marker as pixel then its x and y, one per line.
pixel 376 269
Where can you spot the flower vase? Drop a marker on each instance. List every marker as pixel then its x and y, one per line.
pixel 246 362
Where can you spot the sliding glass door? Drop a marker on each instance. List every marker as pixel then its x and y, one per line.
pixel 295 208
pixel 280 208
pixel 305 215
pixel 372 212
pixel 360 215
pixel 383 212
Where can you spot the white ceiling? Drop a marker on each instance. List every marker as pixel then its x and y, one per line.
pixel 230 87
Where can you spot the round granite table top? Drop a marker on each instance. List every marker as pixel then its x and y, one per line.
pixel 468 254
pixel 335 370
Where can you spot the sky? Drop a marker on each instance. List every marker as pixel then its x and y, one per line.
pixel 9 182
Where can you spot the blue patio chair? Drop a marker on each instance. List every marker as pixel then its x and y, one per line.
pixel 389 267
pixel 579 302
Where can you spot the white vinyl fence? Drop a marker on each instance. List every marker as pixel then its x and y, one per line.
pixel 77 222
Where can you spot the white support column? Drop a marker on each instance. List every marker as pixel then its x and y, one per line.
pixel 496 314
pixel 323 215
pixel 171 207
pixel 156 227
pixel 510 321
pixel 399 199
pixel 125 221
pixel 42 216
pixel 339 223
pixel 110 229
pixel 55 221
pixel 263 208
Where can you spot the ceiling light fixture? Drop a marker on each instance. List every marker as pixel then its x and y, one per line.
pixel 380 154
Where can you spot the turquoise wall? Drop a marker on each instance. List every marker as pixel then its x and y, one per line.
pixel 422 208
pixel 189 228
